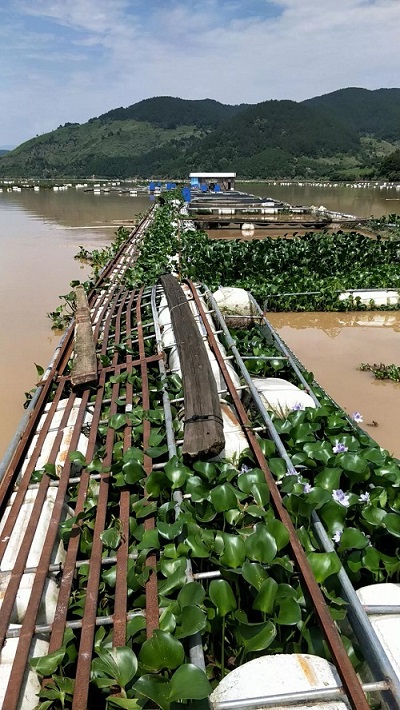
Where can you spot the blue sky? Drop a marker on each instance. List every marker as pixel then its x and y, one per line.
pixel 70 60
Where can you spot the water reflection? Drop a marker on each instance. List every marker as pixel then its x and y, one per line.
pixel 333 346
pixel 360 201
pixel 333 323
pixel 40 232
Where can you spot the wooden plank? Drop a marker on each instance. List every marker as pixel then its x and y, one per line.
pixel 84 369
pixel 203 432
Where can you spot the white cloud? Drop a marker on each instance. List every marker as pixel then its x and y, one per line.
pixel 68 61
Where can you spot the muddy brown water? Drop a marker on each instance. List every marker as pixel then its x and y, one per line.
pixel 333 345
pixel 40 232
pixel 39 235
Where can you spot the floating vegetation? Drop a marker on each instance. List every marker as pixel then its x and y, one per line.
pixel 382 371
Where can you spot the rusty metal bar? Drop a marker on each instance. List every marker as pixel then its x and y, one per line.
pixel 58 626
pixel 28 626
pixel 20 562
pixel 345 669
pixel 121 600
pixel 82 677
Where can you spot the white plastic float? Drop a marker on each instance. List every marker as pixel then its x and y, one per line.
pixel 235 302
pixel 53 432
pixel 50 595
pixel 386 626
pixel 281 396
pixel 235 439
pixel 30 688
pixel 278 674
pixel 380 297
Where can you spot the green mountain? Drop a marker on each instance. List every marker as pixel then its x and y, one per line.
pixel 107 144
pixel 268 137
pixel 169 112
pixel 375 113
pixel 3 151
pixel 341 135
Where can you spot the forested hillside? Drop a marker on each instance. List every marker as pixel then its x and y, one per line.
pixel 375 113
pixel 342 135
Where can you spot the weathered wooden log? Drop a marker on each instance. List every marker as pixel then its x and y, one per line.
pixel 203 431
pixel 84 368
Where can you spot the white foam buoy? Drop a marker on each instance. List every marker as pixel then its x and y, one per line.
pixel 281 396
pixel 278 674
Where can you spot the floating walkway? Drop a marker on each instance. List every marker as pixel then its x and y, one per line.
pixel 94 500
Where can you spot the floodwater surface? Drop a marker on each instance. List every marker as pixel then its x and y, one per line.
pixel 39 235
pixel 333 345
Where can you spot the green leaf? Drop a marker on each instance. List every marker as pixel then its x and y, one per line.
pixel 39 370
pixel 279 532
pixel 246 480
pixel 177 472
pixel 234 551
pixel 392 523
pixel 323 564
pixel 160 651
pixel 134 626
pixel 373 516
pixel 260 545
pixel 128 704
pixel 156 482
pixel 168 621
pixel 197 489
pixel 333 515
pixel 117 421
pixel 256 637
pixel 189 683
pixel 191 593
pixel 177 579
pixel 355 463
pixel 278 467
pixel 267 446
pixel 206 470
pixel 319 451
pixel 77 458
pixel 111 538
pixel 223 497
pixel 222 596
pixel 254 574
pixel 155 688
pixel 191 620
pixel 149 541
pixel 133 472
pixel 265 598
pixel 353 538
pixel 289 612
pixel 119 663
pixel 329 478
pixel 154 452
pixel 47 665
pixel 170 530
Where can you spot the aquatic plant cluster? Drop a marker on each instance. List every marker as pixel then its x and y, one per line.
pixel 316 268
pixel 255 604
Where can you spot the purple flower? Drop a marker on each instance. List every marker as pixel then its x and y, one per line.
pixel 307 488
pixel 298 406
pixel 357 417
pixel 339 448
pixel 338 534
pixel 292 472
pixel 341 497
pixel 364 497
pixel 244 468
